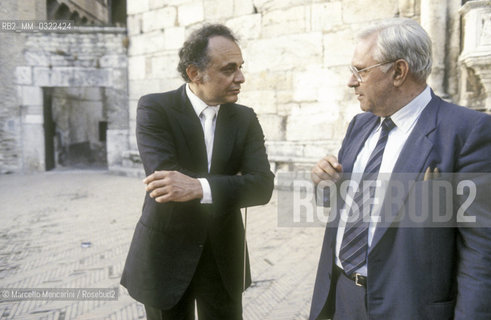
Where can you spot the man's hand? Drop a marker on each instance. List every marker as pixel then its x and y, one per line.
pixel 328 168
pixel 166 186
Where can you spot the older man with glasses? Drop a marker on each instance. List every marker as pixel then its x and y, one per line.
pixel 383 268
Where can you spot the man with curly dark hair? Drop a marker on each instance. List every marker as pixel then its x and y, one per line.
pixel 204 159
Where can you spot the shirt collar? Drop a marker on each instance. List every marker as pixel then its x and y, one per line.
pixel 407 116
pixel 198 104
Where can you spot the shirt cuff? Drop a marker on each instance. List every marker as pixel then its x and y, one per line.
pixel 205 185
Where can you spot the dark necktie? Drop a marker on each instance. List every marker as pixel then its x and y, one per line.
pixel 354 247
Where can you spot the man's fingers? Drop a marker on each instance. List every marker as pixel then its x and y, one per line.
pixel 157 175
pixel 319 174
pixel 149 178
pixel 164 190
pixel 163 199
pixel 168 194
pixel 328 168
pixel 159 192
pixel 315 178
pixel 156 184
pixel 157 179
pixel 333 161
pixel 165 186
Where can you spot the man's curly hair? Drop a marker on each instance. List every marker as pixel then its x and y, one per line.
pixel 195 49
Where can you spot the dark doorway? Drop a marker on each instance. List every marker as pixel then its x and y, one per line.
pixel 49 129
pixel 75 128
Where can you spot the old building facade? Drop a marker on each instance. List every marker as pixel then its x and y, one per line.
pixel 296 55
pixel 65 91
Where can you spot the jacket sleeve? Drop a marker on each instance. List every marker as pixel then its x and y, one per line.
pixel 154 138
pixel 346 138
pixel 474 241
pixel 254 185
pixel 326 196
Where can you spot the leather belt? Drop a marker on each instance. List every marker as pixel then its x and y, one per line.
pixel 359 279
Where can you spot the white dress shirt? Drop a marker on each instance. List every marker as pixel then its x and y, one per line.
pixel 405 119
pixel 198 106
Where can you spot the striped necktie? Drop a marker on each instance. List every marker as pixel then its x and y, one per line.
pixel 354 247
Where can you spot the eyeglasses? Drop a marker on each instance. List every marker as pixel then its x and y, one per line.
pixel 357 72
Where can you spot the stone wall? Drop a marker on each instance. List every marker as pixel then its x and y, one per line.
pixel 79 62
pixel 87 57
pixel 296 55
pixel 12 45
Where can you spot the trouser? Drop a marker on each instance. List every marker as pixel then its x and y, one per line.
pixel 207 292
pixel 350 302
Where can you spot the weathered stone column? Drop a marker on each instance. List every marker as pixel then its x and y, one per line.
pixel 434 21
pixel 33 152
pixel 475 59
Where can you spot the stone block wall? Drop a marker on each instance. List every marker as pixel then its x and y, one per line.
pixel 12 45
pixel 296 54
pixel 89 57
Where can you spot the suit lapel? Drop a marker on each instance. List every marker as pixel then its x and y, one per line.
pixel 192 130
pixel 358 140
pixel 410 165
pixel 225 131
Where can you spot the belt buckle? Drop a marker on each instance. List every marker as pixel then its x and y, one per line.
pixel 358 279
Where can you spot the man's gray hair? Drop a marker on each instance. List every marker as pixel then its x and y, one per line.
pixel 402 38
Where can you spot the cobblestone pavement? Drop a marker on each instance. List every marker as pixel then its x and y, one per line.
pixel 71 229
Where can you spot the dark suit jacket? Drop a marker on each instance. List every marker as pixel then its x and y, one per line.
pixel 169 237
pixel 423 273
